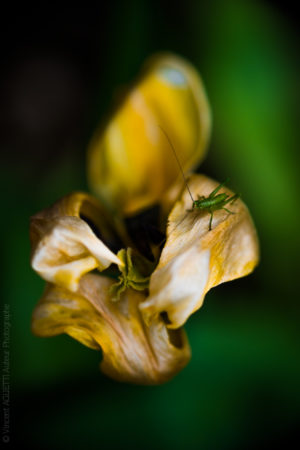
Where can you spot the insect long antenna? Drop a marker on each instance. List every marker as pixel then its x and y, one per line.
pixel 178 162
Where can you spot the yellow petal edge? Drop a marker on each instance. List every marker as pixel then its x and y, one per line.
pixel 130 162
pixel 195 259
pixel 132 352
pixel 64 247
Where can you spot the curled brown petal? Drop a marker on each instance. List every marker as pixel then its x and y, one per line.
pixel 64 246
pixel 132 351
pixel 195 259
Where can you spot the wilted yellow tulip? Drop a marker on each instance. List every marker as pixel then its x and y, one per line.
pixel 65 248
pixel 130 163
pixel 140 331
pixel 104 288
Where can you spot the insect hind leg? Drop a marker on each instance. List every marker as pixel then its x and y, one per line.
pixel 227 210
pixel 210 220
pixel 213 193
pixel 233 198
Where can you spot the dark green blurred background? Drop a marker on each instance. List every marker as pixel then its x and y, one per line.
pixel 62 68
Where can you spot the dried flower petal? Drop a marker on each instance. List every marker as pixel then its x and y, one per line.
pixel 195 259
pixel 132 352
pixel 131 164
pixel 64 245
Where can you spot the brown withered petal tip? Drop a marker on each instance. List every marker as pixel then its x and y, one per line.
pixel 132 352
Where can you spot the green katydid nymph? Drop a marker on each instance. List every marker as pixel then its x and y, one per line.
pixel 214 202
pixel 211 203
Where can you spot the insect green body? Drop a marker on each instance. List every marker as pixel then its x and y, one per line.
pixel 211 203
pixel 214 202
